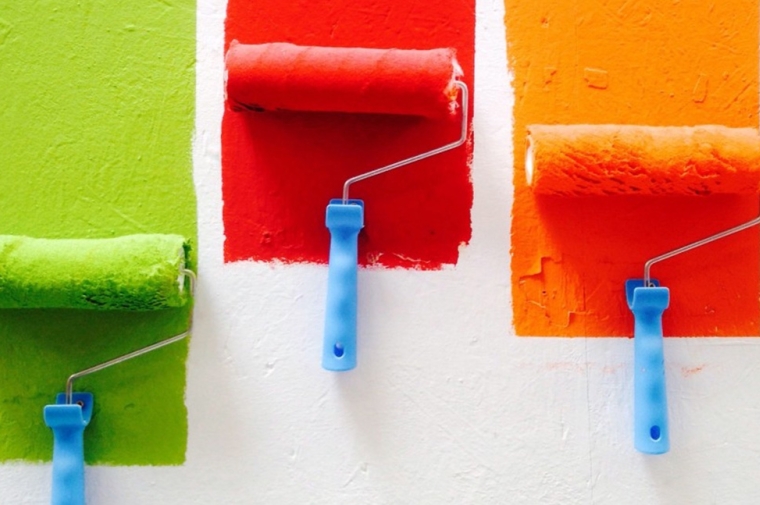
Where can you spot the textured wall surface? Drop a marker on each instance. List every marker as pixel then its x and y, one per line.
pixel 447 405
pixel 96 119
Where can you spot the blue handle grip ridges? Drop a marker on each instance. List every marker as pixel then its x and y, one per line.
pixel 651 433
pixel 344 221
pixel 68 422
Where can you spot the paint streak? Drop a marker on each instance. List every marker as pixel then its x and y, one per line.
pixel 280 170
pixel 95 134
pixel 691 371
pixel 648 63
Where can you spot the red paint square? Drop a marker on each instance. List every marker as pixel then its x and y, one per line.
pixel 279 170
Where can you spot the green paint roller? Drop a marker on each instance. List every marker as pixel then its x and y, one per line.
pixel 134 272
pixel 130 273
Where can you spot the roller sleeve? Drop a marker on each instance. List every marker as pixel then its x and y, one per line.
pixel 133 272
pixel 282 76
pixel 578 160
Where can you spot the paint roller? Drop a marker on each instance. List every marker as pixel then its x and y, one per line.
pixel 281 76
pixel 135 272
pixel 608 160
pixel 130 273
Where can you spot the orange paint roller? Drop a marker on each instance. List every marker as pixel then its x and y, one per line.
pixel 642 160
pixel 281 76
pixel 599 160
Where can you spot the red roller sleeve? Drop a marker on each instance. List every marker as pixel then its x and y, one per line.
pixel 281 76
pixel 642 160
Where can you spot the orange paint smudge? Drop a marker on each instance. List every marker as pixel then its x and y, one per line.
pixel 689 371
pixel 646 63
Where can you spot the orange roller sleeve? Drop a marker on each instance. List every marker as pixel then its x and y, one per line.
pixel 281 76
pixel 642 160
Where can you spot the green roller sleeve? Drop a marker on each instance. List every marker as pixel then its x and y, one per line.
pixel 134 272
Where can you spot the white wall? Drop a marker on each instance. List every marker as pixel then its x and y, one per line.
pixel 447 405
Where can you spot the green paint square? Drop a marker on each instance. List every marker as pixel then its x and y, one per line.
pixel 96 122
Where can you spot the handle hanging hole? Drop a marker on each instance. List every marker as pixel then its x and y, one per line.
pixel 654 432
pixel 338 350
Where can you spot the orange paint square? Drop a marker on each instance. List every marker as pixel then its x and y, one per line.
pixel 648 63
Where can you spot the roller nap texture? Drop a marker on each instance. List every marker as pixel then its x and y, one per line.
pixel 578 160
pixel 281 76
pixel 134 272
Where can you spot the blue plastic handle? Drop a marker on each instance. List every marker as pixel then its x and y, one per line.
pixel 344 222
pixel 68 422
pixel 651 435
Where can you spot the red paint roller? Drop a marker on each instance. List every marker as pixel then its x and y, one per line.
pixel 599 160
pixel 280 76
